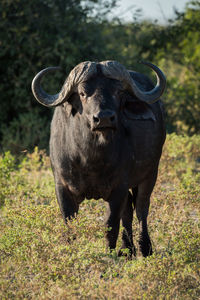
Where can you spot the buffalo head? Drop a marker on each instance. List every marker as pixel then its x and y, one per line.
pixel 90 85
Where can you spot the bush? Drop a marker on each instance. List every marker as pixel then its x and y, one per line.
pixel 26 132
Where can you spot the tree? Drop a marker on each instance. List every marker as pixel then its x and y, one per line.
pixel 34 35
pixel 181 62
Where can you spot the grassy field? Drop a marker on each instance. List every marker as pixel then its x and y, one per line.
pixel 41 258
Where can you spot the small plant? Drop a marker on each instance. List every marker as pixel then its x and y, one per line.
pixel 7 164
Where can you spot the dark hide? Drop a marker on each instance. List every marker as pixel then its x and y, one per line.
pixel 106 144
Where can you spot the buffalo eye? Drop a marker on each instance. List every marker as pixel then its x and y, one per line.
pixel 82 94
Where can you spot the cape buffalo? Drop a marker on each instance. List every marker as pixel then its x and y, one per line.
pixel 106 141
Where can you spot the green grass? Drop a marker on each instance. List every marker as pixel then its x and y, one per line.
pixel 41 258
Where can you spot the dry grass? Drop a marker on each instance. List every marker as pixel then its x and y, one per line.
pixel 41 258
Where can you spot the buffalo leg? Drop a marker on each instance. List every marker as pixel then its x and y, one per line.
pixel 127 219
pixel 68 205
pixel 116 204
pixel 142 208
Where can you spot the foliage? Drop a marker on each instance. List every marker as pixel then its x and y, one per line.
pixel 135 42
pixel 41 258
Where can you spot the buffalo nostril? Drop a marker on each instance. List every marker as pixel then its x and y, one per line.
pixel 104 119
pixel 96 119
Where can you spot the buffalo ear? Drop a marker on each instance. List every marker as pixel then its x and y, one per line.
pixel 138 111
pixel 73 105
pixel 67 108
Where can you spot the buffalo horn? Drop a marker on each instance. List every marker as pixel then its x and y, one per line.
pixel 41 96
pixel 154 94
pixel 81 72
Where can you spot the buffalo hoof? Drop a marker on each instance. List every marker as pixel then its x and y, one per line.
pixel 146 248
